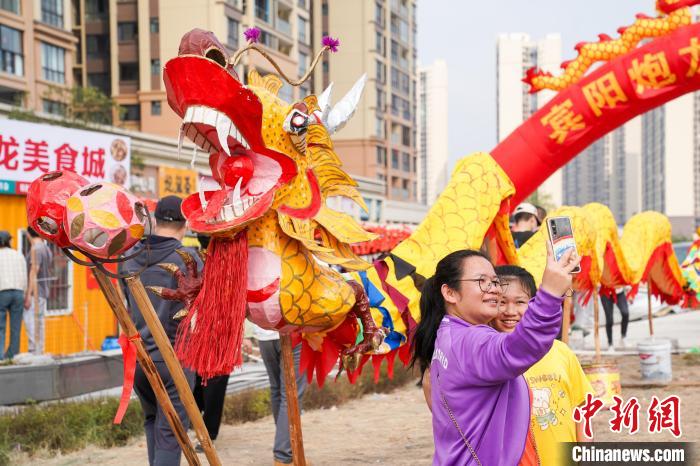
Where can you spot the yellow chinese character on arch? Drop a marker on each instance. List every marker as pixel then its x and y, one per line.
pixel 562 120
pixel 604 92
pixel 652 73
pixel 693 49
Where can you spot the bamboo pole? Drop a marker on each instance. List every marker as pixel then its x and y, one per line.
pixel 166 349
pixel 596 324
pixel 290 386
pixel 34 278
pixel 650 316
pixel 566 322
pixel 148 367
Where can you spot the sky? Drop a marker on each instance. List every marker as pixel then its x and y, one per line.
pixel 464 32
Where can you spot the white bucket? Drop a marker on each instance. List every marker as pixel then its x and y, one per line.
pixel 655 359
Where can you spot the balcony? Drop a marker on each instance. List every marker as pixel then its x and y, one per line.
pixel 284 27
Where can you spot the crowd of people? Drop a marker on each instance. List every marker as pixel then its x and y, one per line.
pixel 512 405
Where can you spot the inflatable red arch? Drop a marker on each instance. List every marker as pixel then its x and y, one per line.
pixel 619 90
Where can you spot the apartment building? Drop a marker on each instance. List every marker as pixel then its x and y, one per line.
pixel 377 38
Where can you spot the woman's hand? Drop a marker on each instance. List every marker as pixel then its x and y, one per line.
pixel 557 279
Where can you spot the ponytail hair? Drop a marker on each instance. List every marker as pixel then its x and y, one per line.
pixel 432 305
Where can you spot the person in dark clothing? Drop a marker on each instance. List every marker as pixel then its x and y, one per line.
pixel 210 401
pixel 526 223
pixel 157 248
pixel 621 301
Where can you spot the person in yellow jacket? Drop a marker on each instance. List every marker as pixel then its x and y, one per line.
pixel 557 381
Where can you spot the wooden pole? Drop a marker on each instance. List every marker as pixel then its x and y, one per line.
pixel 290 386
pixel 166 349
pixel 596 324
pixel 34 277
pixel 148 367
pixel 650 316
pixel 566 322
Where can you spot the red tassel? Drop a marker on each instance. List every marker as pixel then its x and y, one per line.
pixel 213 346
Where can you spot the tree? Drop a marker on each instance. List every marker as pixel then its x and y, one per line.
pixel 542 199
pixel 86 105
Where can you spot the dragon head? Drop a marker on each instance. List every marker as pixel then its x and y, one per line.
pixel 263 152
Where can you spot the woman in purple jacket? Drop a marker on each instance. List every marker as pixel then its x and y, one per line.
pixel 480 400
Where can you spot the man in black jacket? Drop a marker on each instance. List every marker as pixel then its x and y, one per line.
pixel 160 247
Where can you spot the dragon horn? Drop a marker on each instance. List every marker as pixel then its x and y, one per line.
pixel 341 112
pixel 324 100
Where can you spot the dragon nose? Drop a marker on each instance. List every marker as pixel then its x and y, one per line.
pixel 236 168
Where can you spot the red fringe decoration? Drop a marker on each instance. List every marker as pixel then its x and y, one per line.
pixel 213 346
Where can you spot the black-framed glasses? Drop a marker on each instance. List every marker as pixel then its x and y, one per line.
pixel 486 284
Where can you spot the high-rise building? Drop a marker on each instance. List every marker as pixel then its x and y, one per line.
pixel 608 171
pixel 669 161
pixel 37 52
pixel 515 54
pixel 124 45
pixel 378 38
pixel 120 47
pixel 432 141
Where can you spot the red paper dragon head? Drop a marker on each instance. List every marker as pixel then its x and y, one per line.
pixel 247 135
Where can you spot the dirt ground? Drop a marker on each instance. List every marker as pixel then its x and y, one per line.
pixel 395 429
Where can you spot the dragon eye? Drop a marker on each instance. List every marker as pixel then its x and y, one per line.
pixel 296 122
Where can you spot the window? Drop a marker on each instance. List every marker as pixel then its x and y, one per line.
pixel 155 26
pixel 381 177
pixel 324 9
pixel 155 67
pixel 379 126
pixel 232 36
pixel 11 59
pixel 100 81
pixel 381 100
pixel 381 155
pixel 265 38
pixel 406 162
pixel 415 165
pixel 395 159
pixel 127 31
pixel 53 64
pixel 52 12
pixel 53 107
pixel 380 43
pixel 129 71
pixel 97 45
pixel 131 112
pixel 96 9
pixel 302 30
pixel 261 10
pixel 10 5
pixel 302 3
pixel 156 108
pixel 381 72
pixel 303 63
pixel 406 136
pixel 379 14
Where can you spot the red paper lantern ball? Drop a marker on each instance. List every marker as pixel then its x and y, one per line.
pixel 46 204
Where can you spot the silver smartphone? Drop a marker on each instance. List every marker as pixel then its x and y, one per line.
pixel 561 235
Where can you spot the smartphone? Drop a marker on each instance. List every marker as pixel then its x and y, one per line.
pixel 561 235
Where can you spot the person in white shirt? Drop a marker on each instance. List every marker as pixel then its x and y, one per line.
pixel 13 283
pixel 271 353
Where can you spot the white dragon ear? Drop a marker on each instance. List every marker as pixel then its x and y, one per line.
pixel 341 112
